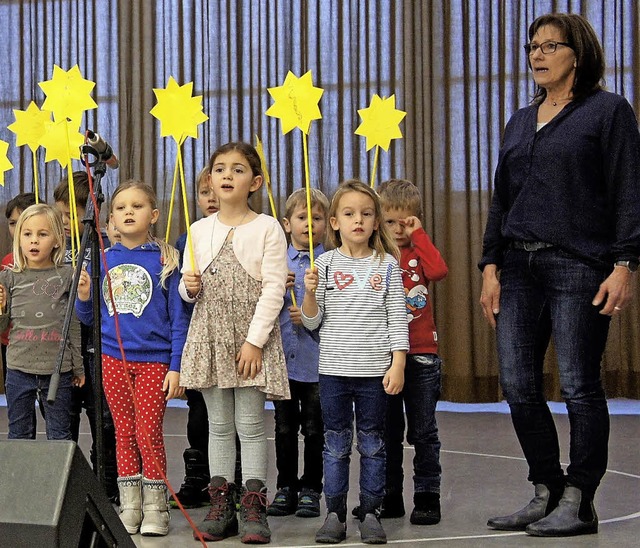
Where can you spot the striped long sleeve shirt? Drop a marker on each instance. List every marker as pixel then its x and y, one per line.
pixel 361 314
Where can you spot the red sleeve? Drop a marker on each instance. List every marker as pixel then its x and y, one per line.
pixel 433 264
pixel 7 261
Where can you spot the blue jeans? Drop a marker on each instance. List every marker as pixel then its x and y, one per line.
pixel 22 389
pixel 338 397
pixel 301 413
pixel 548 293
pixel 421 392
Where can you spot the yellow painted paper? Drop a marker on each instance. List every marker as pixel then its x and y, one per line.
pixel 296 102
pixel 68 94
pixel 5 164
pixel 380 122
pixel 61 142
pixel 179 113
pixel 30 125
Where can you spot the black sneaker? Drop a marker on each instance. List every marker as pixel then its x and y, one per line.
pixel 284 503
pixel 308 504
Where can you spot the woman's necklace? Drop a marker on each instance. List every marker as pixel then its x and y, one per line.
pixel 555 103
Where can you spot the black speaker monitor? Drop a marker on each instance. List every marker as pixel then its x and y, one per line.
pixel 51 498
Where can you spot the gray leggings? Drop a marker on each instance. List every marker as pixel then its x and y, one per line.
pixel 241 410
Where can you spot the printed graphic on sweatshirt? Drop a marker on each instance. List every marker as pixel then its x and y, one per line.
pixel 344 280
pixel 416 299
pixel 132 287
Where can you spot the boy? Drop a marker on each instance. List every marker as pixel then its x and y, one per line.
pixel 421 263
pixel 302 411
pixel 84 396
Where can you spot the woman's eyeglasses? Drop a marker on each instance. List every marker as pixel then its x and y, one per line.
pixel 550 46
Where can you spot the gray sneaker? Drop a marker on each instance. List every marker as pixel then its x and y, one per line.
pixel 332 531
pixel 371 531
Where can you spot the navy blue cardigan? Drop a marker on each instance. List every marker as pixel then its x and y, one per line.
pixel 574 183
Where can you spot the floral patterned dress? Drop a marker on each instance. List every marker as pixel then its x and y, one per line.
pixel 218 329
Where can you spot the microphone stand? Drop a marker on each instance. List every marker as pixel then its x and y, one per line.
pixel 89 237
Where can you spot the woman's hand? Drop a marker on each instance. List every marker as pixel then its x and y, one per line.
pixel 171 386
pixel 617 289
pixel 249 361
pixel 490 294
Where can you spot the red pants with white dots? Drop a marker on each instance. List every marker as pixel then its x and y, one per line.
pixel 137 415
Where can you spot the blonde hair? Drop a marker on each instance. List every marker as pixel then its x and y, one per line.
pixel 168 254
pixel 54 217
pixel 381 239
pixel 400 194
pixel 202 177
pixel 299 198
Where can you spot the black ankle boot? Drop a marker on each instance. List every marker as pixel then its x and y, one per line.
pixel 426 510
pixel 392 506
pixel 194 490
pixel 542 504
pixel 575 515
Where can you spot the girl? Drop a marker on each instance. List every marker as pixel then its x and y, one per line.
pixel 33 299
pixel 355 295
pixel 140 378
pixel 233 352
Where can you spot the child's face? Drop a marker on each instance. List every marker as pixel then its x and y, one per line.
pixel 66 217
pixel 298 226
pixel 394 219
pixel 232 179
pixel 132 215
pixel 37 242
pixel 207 200
pixel 355 219
pixel 12 220
pixel 112 233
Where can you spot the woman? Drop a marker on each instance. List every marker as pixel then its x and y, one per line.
pixel 563 232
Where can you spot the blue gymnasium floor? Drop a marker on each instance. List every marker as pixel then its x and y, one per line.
pixel 484 475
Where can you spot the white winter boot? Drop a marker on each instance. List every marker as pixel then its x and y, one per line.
pixel 155 510
pixel 130 502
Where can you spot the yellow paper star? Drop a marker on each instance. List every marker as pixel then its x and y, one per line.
pixel 29 126
pixel 380 122
pixel 5 164
pixel 296 102
pixel 68 94
pixel 179 113
pixel 55 140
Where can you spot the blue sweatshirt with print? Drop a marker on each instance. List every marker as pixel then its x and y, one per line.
pixel 153 320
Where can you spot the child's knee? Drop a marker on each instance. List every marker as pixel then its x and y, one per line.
pixel 370 443
pixel 338 442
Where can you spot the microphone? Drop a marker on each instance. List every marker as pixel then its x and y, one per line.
pixel 104 150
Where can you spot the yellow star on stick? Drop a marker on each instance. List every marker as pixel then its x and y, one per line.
pixel 5 164
pixel 179 113
pixel 30 125
pixel 296 102
pixel 68 94
pixel 61 141
pixel 265 174
pixel 380 124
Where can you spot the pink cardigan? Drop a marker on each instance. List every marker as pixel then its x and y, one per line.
pixel 261 248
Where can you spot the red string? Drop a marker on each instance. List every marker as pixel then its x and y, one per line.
pixel 147 437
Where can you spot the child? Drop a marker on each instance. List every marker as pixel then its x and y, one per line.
pixel 233 352
pixel 14 208
pixel 355 295
pixel 84 397
pixel 153 325
pixel 112 233
pixel 421 263
pixel 193 491
pixel 302 411
pixel 33 297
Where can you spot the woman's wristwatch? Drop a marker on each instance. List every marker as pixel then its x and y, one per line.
pixel 631 266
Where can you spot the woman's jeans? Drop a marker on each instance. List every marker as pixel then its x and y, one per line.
pixel 545 294
pixel 338 398
pixel 22 392
pixel 421 392
pixel 301 413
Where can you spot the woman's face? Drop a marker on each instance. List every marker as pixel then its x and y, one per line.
pixel 552 71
